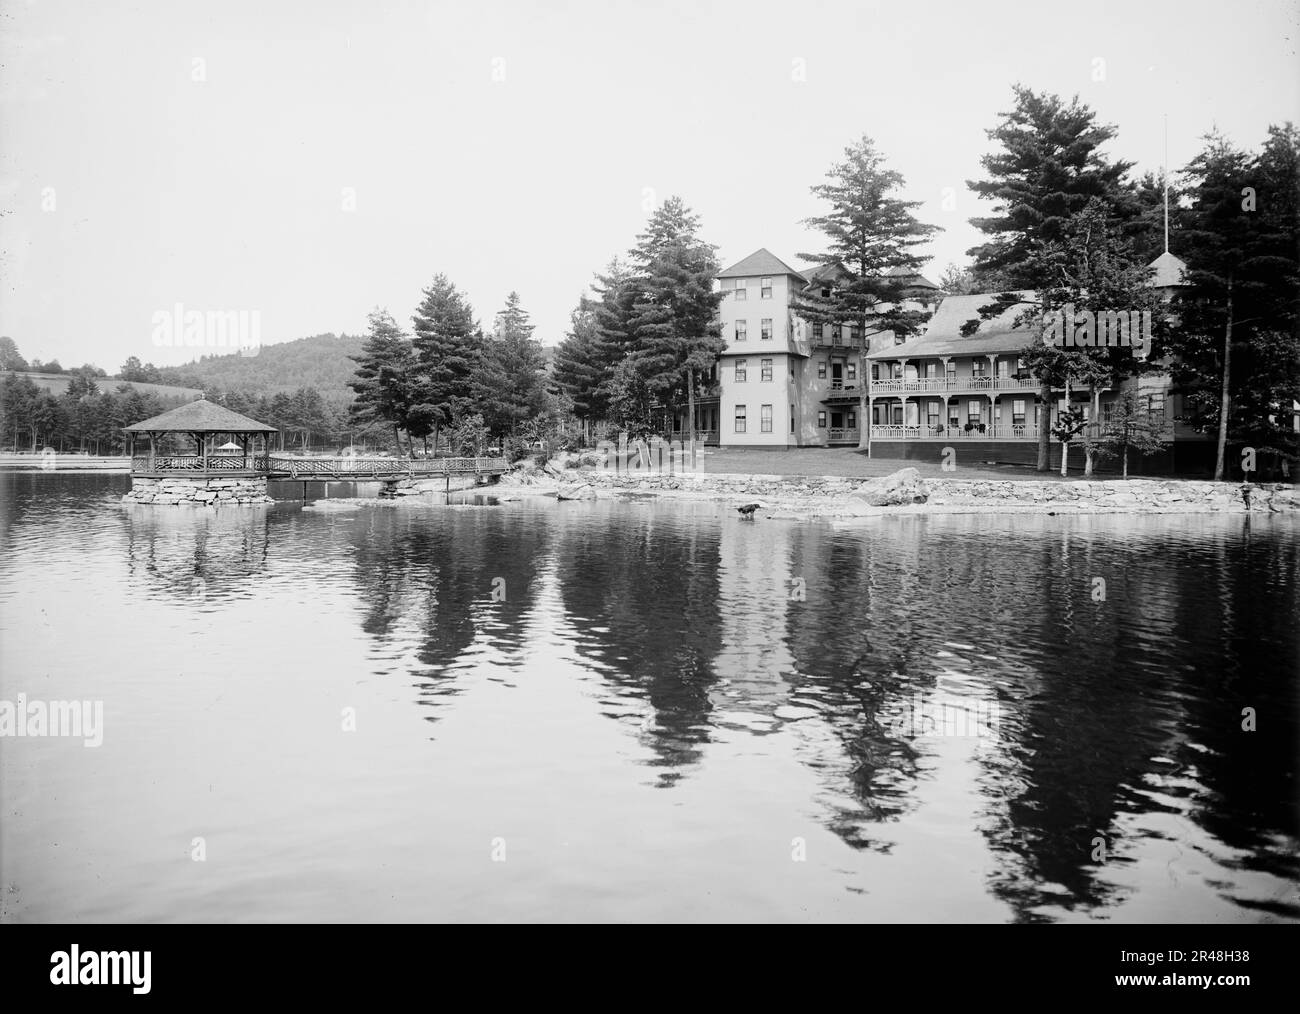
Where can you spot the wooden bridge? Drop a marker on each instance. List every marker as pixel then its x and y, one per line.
pixel 312 469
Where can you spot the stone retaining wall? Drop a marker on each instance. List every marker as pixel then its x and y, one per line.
pixel 197 491
pixel 1147 495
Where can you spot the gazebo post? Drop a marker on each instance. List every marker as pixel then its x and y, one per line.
pixel 152 451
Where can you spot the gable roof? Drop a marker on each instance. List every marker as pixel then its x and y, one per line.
pixel 761 262
pixel 200 416
pixel 943 337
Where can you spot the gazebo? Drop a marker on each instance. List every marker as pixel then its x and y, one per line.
pixel 204 423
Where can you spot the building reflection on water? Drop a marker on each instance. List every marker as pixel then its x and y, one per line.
pixel 704 626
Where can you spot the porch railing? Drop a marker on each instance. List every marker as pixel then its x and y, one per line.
pixel 937 385
pixel 843 434
pixel 991 431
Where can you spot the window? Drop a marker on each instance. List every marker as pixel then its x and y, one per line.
pixel 978 367
pixel 898 415
pixel 875 371
pixel 950 368
pixel 932 414
pixel 931 370
pixel 765 290
pixel 835 333
pixel 740 289
pixel 821 369
pixel 742 330
pixel 853 371
pixel 853 419
pixel 899 339
pixel 740 418
pixel 1155 407
pixel 765 365
pixel 765 419
pixel 742 370
pixel 817 330
pixel 765 329
pixel 1018 412
pixel 821 420
pixel 973 410
pixel 1004 368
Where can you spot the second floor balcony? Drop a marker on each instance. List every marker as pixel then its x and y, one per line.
pixel 945 384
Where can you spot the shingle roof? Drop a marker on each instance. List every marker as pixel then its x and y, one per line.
pixel 943 337
pixel 1169 270
pixel 760 262
pixel 200 416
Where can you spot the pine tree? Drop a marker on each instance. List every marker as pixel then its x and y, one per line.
pixel 580 367
pixel 508 384
pixel 1238 348
pixel 1048 168
pixel 447 345
pixel 384 377
pixel 675 314
pixel 869 231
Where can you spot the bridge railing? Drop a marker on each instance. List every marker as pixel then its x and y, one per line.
pixel 304 468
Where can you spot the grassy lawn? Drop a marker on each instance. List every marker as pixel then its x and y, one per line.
pixel 849 462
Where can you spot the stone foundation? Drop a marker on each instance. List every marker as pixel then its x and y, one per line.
pixel 199 492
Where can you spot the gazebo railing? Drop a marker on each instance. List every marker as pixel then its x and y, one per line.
pixel 199 463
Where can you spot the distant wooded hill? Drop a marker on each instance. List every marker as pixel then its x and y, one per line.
pixel 320 361
pixel 57 383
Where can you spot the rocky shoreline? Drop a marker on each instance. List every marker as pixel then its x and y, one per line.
pixel 906 492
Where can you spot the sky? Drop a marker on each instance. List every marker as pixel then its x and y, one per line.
pixel 309 160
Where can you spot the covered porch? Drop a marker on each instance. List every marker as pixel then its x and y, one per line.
pixel 989 416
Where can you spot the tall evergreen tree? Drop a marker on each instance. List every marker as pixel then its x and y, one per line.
pixel 447 344
pixel 1238 348
pixel 869 231
pixel 384 377
pixel 508 385
pixel 580 367
pixel 1047 168
pixel 675 314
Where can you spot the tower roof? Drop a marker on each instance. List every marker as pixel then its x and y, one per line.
pixel 1169 271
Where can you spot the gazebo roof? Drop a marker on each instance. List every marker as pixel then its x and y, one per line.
pixel 200 416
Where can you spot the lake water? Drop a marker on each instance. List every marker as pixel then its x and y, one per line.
pixel 645 710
